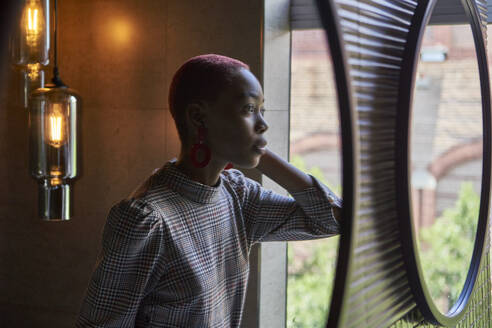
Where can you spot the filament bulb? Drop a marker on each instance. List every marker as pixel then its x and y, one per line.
pixel 56 126
pixel 33 22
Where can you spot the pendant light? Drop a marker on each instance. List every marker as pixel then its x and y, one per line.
pixel 53 125
pixel 30 45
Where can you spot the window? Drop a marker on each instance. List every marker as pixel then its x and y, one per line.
pixel 314 148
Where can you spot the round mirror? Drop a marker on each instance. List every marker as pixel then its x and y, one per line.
pixel 315 148
pixel 446 143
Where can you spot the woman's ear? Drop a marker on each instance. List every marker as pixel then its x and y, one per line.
pixel 195 114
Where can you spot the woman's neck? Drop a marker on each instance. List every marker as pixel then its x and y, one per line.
pixel 209 175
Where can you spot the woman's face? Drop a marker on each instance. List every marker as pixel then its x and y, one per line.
pixel 235 122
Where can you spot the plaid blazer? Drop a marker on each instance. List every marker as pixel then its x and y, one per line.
pixel 178 255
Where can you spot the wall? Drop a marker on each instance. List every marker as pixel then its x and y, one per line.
pixel 120 56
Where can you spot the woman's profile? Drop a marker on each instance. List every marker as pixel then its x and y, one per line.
pixel 175 253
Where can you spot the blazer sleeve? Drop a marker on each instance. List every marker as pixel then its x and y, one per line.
pixel 127 269
pixel 269 216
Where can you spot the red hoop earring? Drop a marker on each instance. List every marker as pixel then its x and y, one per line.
pixel 200 146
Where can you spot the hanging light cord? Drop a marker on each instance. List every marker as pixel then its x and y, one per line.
pixel 56 75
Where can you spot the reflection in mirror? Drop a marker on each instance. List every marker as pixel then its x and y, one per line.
pixel 446 158
pixel 314 148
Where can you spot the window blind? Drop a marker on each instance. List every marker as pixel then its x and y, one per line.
pixel 304 14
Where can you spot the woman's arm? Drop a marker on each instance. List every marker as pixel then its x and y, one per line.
pixel 287 176
pixel 132 249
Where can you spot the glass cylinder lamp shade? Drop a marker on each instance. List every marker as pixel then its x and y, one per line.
pixel 30 40
pixel 32 79
pixel 53 126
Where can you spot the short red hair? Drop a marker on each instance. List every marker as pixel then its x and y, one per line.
pixel 200 78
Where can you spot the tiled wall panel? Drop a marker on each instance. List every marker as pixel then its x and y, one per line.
pixel 120 56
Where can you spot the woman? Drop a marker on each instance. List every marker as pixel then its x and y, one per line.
pixel 175 254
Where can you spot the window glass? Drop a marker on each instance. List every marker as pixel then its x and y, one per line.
pixel 314 148
pixel 446 158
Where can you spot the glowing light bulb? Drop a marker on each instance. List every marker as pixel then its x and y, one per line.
pixel 56 126
pixel 33 22
pixel 30 40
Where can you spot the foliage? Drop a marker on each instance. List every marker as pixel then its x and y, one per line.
pixel 447 246
pixel 310 285
pixel 315 171
pixel 311 274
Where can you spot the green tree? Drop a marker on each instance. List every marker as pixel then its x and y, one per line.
pixel 447 246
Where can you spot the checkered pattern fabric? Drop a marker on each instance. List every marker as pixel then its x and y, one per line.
pixel 178 255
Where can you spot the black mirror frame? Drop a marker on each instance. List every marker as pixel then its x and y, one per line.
pixel 419 288
pixel 350 141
